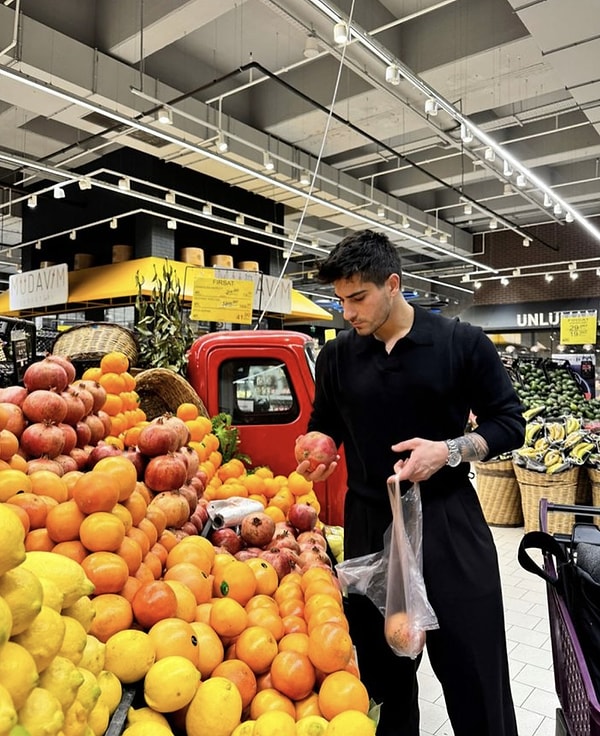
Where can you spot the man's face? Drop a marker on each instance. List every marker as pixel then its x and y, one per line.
pixel 366 306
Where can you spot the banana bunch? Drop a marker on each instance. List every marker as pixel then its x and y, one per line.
pixel 532 431
pixel 572 424
pixel 555 431
pixel 335 539
pixel 529 414
pixel 581 451
pixel 573 438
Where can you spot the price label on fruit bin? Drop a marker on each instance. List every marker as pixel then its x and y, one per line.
pixel 222 300
pixel 578 327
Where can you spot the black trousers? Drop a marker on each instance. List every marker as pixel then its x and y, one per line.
pixel 468 652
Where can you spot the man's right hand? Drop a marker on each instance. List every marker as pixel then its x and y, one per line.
pixel 321 472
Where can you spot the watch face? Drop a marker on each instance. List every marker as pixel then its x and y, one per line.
pixel 454 459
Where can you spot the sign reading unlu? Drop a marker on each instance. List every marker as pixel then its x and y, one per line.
pixel 41 287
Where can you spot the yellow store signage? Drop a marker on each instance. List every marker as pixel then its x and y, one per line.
pixel 578 327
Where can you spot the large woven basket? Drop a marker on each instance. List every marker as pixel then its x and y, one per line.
pixel 498 491
pixel 594 477
pixel 559 488
pixel 91 341
pixel 162 390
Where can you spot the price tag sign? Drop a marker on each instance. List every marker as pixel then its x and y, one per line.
pixel 578 327
pixel 222 300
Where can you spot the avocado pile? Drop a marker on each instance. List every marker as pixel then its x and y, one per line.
pixel 552 389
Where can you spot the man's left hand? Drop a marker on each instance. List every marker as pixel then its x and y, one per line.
pixel 426 458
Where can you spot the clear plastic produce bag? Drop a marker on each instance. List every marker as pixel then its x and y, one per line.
pixel 408 613
pixel 392 578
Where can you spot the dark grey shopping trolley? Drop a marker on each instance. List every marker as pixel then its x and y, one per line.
pixel 579 712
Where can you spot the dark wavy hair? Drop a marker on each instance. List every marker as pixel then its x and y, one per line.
pixel 368 254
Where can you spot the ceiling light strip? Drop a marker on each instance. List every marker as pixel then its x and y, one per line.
pixel 74 99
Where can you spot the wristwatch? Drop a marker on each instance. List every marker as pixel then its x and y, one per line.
pixel 454 456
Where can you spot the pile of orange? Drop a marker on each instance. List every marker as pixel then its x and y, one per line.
pixel 122 401
pixel 276 492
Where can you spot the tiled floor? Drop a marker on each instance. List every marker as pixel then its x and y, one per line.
pixel 527 633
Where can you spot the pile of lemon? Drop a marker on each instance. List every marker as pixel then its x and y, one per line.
pixel 52 676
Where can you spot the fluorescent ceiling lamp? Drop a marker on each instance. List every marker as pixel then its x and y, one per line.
pixel 557 209
pixel 504 281
pixel 521 181
pixel 59 193
pixel 526 242
pixel 114 224
pixel 490 154
pixel 124 183
pixel 165 116
pixel 73 235
pixel 507 169
pixel 85 183
pixel 222 145
pixel 305 177
pixel 38 245
pixel 547 200
pixel 239 220
pixel 207 209
pixel 569 217
pixel 340 33
pixel 477 284
pixel 32 201
pixel 493 224
pixel 572 266
pixel 549 277
pixel 468 209
pixel 234 240
pixel 170 197
pixel 172 224
pixel 574 275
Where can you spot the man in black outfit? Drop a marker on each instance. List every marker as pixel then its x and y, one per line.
pixel 396 390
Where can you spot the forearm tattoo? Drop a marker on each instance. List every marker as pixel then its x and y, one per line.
pixel 472 447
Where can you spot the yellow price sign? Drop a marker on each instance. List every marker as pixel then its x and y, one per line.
pixel 222 300
pixel 578 328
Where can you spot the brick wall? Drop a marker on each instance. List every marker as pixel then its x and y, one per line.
pixel 552 243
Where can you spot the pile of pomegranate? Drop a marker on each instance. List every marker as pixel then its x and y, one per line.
pixel 292 545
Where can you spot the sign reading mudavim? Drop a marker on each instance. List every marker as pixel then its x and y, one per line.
pixel 39 288
pixel 578 327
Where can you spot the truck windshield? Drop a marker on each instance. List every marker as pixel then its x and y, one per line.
pixel 257 391
pixel 310 357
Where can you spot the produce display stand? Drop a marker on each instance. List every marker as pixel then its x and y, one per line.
pixel 118 719
pixel 579 713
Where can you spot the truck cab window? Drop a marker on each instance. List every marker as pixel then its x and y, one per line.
pixel 256 392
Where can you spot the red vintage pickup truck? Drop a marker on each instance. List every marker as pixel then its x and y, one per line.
pixel 264 379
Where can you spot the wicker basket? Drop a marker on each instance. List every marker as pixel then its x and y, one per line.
pixel 559 488
pixel 499 494
pixel 162 391
pixel 594 477
pixel 90 342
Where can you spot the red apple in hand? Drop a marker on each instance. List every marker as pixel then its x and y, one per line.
pixel 317 448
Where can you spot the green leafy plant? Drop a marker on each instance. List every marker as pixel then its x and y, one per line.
pixel 164 333
pixel 229 439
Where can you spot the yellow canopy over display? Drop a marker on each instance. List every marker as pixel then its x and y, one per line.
pixel 114 285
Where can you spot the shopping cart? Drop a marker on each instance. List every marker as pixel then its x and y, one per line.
pixel 579 714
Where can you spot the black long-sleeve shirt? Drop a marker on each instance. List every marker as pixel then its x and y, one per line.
pixel 425 387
